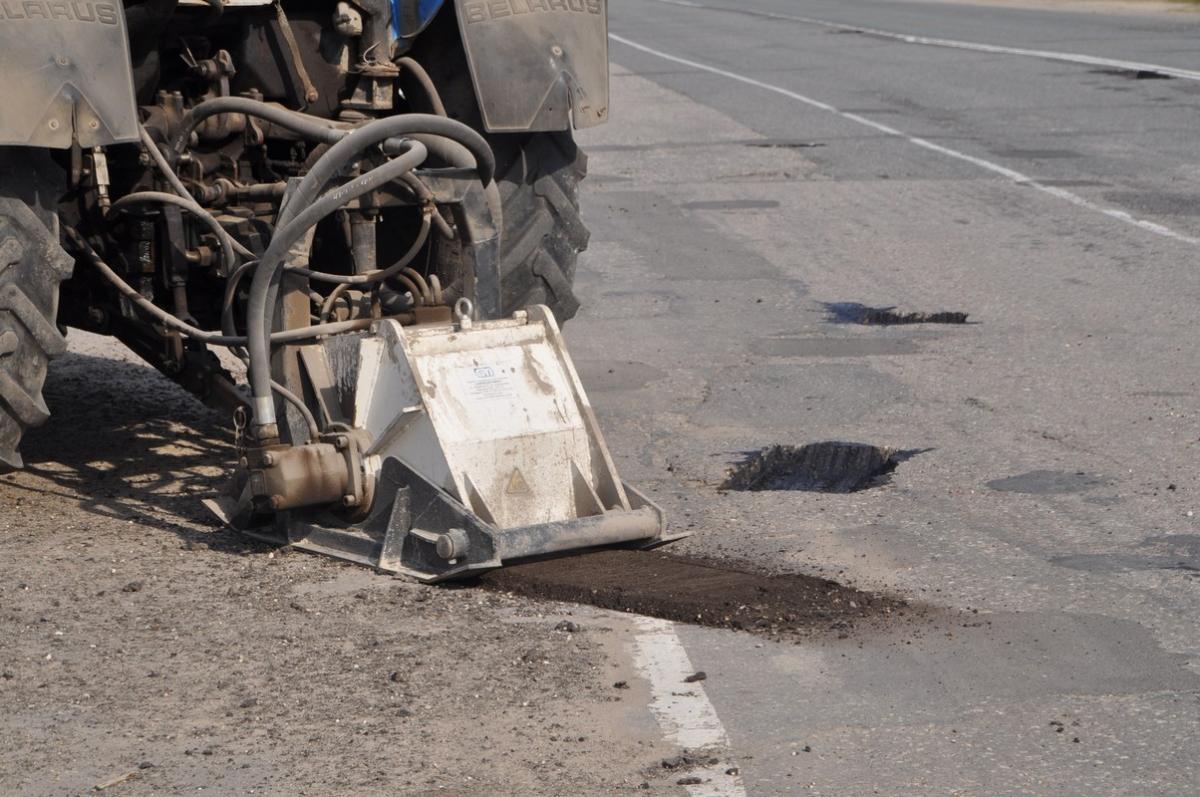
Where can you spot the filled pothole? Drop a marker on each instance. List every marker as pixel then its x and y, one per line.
pixel 855 313
pixel 830 467
pixel 701 592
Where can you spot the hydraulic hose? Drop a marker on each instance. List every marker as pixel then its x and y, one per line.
pixel 265 285
pixel 379 275
pixel 230 248
pixel 161 162
pixel 325 131
pixel 311 127
pixel 190 331
pixel 423 80
pixel 353 143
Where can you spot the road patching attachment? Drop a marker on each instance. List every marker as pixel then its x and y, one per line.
pixel 699 592
pixel 854 313
pixel 830 467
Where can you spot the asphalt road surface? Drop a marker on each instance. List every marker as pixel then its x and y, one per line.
pixel 768 172
pixel 759 170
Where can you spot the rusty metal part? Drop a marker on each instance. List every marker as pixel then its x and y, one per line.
pixel 327 472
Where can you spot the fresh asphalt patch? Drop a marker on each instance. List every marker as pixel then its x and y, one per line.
pixel 701 592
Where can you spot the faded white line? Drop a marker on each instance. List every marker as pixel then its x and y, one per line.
pixel 979 47
pixel 683 710
pixel 995 168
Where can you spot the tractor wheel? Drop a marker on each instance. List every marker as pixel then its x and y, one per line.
pixel 538 176
pixel 32 264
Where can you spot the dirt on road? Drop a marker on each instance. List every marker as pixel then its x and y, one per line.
pixel 148 651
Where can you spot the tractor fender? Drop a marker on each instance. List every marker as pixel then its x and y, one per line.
pixel 66 74
pixel 537 64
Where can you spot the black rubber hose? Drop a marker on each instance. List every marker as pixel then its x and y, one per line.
pixel 379 275
pixel 230 247
pixel 265 286
pixel 423 80
pixel 318 129
pixel 194 332
pixel 312 127
pixel 350 148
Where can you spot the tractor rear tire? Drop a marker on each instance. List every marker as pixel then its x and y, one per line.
pixel 32 264
pixel 538 176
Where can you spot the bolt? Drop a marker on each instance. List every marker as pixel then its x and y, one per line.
pixel 349 500
pixel 62 60
pixel 53 123
pixel 312 95
pixel 268 460
pixel 557 51
pixel 453 544
pixel 341 442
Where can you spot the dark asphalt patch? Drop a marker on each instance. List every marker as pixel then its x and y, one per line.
pixel 698 591
pixel 855 313
pixel 732 204
pixel 1047 482
pixel 1037 154
pixel 779 143
pixel 1166 203
pixel 830 467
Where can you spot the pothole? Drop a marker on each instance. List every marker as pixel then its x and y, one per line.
pixel 854 313
pixel 1132 74
pixel 782 143
pixel 700 592
pixel 830 467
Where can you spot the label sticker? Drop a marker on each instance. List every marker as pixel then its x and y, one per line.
pixel 485 383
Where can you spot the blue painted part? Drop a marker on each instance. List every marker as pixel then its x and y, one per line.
pixel 425 11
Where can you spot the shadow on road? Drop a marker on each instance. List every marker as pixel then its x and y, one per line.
pixel 128 444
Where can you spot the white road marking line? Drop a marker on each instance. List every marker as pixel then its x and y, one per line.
pixel 995 49
pixel 683 710
pixel 995 168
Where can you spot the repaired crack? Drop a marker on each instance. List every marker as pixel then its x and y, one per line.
pixel 855 313
pixel 830 467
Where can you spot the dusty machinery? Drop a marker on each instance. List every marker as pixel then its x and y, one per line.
pixel 355 224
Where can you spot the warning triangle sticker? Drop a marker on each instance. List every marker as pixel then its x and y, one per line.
pixel 517 484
